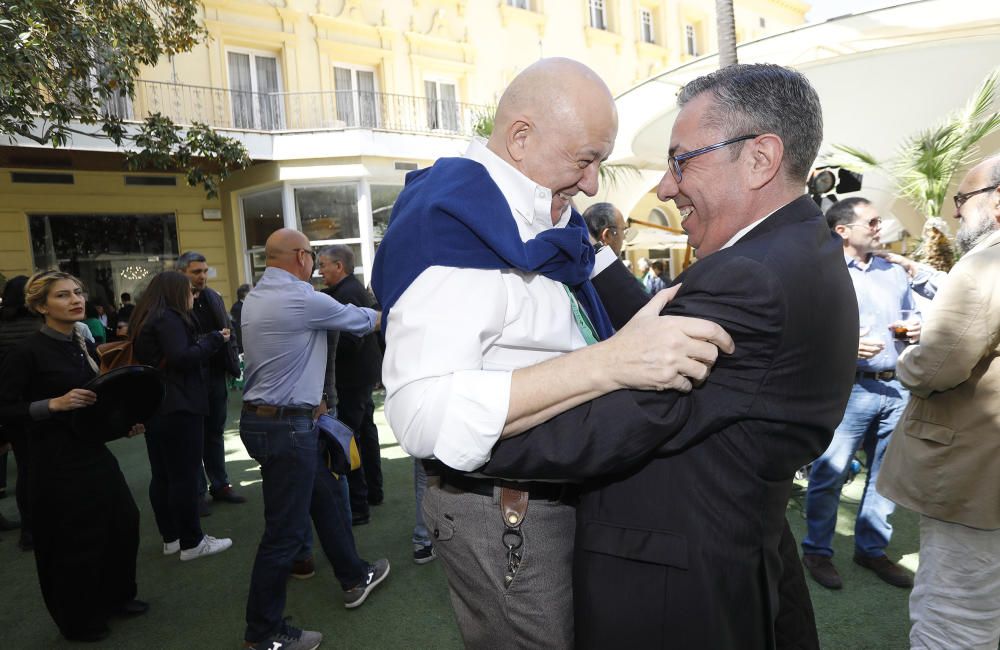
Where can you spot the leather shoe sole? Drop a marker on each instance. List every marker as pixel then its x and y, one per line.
pixel 821 568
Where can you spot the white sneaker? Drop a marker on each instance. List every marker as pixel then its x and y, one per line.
pixel 208 546
pixel 169 548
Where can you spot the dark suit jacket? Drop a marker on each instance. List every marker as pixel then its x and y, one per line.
pixel 359 358
pixel 210 315
pixel 678 531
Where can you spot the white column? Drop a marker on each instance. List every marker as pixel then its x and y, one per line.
pixel 365 227
pixel 288 207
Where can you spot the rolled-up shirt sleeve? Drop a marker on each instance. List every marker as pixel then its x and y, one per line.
pixel 440 400
pixel 325 313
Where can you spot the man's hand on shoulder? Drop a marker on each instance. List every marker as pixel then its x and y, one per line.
pixel 654 352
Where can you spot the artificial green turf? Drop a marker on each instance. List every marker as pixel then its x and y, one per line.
pixel 201 604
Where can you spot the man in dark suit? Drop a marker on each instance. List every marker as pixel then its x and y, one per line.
pixel 681 537
pixel 358 367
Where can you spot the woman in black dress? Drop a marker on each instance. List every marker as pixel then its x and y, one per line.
pixel 86 525
pixel 164 336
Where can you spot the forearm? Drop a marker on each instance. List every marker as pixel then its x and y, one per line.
pixel 542 391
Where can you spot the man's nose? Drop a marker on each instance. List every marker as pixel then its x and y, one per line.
pixel 667 189
pixel 590 181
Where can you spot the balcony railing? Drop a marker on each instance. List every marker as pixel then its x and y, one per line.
pixel 305 111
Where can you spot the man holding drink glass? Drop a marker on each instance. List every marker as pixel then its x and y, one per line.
pixel 887 323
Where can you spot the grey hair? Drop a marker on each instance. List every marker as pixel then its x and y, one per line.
pixel 764 98
pixel 187 257
pixel 598 217
pixel 995 169
pixel 340 253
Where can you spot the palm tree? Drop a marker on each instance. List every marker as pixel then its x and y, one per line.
pixel 726 24
pixel 923 168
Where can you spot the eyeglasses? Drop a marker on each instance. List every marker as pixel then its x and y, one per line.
pixel 871 225
pixel 962 197
pixel 674 162
pixel 629 234
pixel 311 252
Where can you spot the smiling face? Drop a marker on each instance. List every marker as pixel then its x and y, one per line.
pixel 64 304
pixel 331 270
pixel 711 196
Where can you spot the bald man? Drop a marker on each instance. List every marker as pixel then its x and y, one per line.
pixel 493 327
pixel 285 323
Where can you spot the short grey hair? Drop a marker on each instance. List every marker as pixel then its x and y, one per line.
pixel 598 217
pixel 340 253
pixel 187 257
pixel 995 169
pixel 764 98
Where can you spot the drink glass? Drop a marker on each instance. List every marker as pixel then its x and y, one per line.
pixel 900 331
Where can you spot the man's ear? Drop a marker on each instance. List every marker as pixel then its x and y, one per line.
pixel 841 230
pixel 517 136
pixel 766 155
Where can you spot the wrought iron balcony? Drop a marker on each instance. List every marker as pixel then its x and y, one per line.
pixel 301 111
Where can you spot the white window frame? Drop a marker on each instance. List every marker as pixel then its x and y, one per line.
pixel 520 4
pixel 598 14
pixel 356 96
pixel 279 116
pixel 438 81
pixel 647 26
pixel 690 40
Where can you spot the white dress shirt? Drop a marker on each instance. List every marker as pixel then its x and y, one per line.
pixel 455 336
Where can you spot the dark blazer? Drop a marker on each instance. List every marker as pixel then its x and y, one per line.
pixel 168 339
pixel 359 358
pixel 679 528
pixel 210 315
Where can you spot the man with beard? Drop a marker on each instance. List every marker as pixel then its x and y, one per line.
pixel 944 458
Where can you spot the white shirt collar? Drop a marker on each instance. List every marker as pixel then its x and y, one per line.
pixel 530 203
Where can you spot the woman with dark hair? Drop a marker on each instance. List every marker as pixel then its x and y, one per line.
pixel 163 335
pixel 85 523
pixel 92 320
pixel 16 324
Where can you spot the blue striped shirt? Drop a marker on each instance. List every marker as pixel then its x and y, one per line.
pixel 883 289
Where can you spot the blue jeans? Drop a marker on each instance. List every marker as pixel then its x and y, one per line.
pixel 289 454
pixel 421 537
pixel 872 413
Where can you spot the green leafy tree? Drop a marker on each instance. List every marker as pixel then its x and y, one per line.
pixel 64 62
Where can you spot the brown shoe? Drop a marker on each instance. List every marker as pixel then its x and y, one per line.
pixel 303 569
pixel 821 568
pixel 886 569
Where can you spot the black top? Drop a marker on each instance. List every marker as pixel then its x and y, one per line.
pixel 169 337
pixel 15 330
pixel 47 365
pixel 125 313
pixel 359 358
pixel 210 315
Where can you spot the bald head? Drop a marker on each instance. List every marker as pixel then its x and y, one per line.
pixel 556 123
pixel 290 251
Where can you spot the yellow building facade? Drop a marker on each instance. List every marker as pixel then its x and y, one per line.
pixel 335 100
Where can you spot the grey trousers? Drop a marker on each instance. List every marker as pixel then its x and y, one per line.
pixel 536 610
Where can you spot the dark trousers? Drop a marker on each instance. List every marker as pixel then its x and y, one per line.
pixel 295 485
pixel 22 456
pixel 174 445
pixel 86 540
pixel 356 409
pixel 214 453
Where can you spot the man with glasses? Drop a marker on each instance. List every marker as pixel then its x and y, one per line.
pixel 607 227
pixel 285 323
pixel 210 315
pixel 877 401
pixel 681 538
pixel 944 458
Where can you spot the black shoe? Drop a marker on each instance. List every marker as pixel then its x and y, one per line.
pixel 204 509
pixel 226 494
pixel 361 520
pixel 26 541
pixel 886 569
pixel 131 608
pixel 9 524
pixel 424 554
pixel 821 568
pixel 376 501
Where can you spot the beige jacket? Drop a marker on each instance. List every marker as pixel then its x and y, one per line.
pixel 944 457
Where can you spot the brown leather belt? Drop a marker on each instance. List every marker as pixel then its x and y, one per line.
pixel 277 412
pixel 882 375
pixel 536 490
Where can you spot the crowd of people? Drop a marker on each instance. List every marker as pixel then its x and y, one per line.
pixel 574 431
